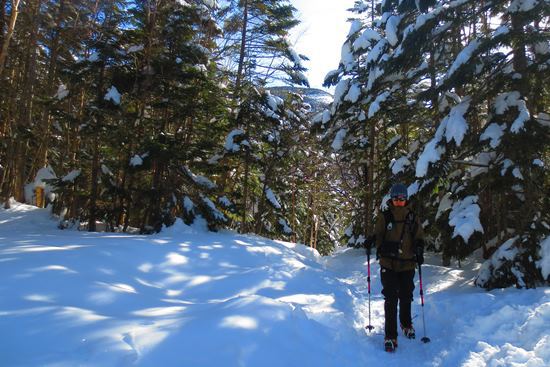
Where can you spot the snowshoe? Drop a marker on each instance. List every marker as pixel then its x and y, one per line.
pixel 408 332
pixel 390 345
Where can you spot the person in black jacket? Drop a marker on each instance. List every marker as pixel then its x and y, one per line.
pixel 399 247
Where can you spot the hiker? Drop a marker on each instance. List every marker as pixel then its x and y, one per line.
pixel 399 246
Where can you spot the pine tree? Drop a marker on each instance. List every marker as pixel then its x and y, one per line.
pixel 255 38
pixel 417 69
pixel 159 94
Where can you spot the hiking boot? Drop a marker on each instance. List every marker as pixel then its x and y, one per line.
pixel 390 344
pixel 408 332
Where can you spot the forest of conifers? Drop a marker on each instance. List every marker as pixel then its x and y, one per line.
pixel 128 115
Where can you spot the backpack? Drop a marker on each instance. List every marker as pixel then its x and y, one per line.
pixel 392 249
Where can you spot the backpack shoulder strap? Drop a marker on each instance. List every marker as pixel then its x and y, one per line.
pixel 388 218
pixel 410 219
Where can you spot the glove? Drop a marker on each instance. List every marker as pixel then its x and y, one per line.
pixel 419 251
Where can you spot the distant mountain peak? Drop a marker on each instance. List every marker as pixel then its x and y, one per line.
pixel 318 99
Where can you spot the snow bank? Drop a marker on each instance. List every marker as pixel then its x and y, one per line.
pixel 184 296
pixel 188 297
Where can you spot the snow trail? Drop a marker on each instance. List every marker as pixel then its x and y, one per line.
pixel 188 297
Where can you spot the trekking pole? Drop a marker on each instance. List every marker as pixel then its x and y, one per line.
pixel 424 339
pixel 369 327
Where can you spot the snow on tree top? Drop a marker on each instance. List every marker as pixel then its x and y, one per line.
pixel 430 154
pixel 503 29
pixel 347 58
pixel 543 119
pixel 455 124
pixel 71 176
pixel 518 6
pixel 375 106
pixel 506 251
pixel 399 165
pixel 338 142
pixel 507 163
pixel 463 57
pixel 354 93
pixel 493 132
pixel 445 204
pixel 273 101
pixel 44 173
pixel 355 27
pixel 135 48
pixel 294 57
pixel 341 88
pixel 113 95
pixel 93 57
pixel 391 29
pixel 504 101
pixel 393 140
pixel 285 227
pixel 62 92
pixel 542 48
pixel 136 160
pixel 464 217
pixel 211 3
pixel 376 51
pixel 230 145
pixel 213 210
pixel 522 117
pixel 332 74
pixel 272 198
pixel 516 172
pixel 365 40
pixel 105 170
pixel 452 127
pixel 224 200
pixel 188 204
pixel 200 180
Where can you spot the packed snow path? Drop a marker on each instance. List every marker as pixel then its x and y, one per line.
pixel 186 297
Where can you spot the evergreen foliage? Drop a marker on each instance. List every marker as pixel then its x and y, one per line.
pixel 133 114
pixel 451 92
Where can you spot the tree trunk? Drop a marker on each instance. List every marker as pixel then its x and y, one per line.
pixel 245 190
pixel 520 56
pixel 242 51
pixel 9 34
pixel 262 203
pixel 45 122
pixel 30 81
pixel 94 188
pixel 2 20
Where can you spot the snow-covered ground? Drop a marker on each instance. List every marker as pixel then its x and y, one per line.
pixel 187 297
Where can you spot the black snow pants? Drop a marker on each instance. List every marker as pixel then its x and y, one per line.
pixel 397 286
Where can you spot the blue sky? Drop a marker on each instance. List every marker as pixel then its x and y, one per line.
pixel 321 34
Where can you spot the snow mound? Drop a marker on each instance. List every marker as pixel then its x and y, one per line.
pixel 188 297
